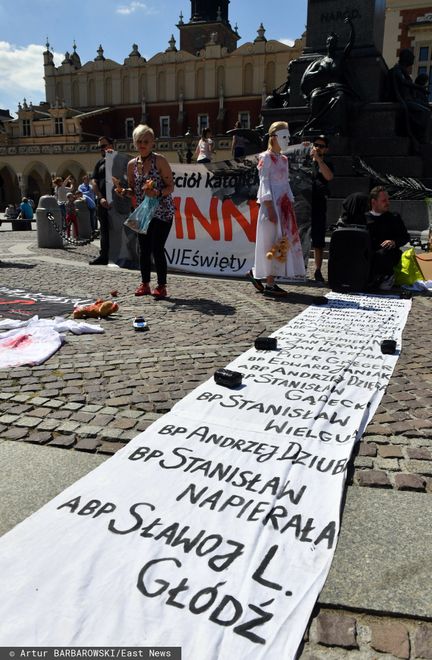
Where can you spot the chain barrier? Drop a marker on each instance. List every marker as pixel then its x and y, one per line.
pixel 63 234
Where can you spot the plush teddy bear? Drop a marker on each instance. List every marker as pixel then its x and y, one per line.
pixel 99 309
pixel 279 250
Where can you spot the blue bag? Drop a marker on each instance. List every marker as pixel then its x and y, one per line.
pixel 140 218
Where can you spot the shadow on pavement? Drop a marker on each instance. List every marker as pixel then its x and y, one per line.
pixel 12 264
pixel 299 299
pixel 203 305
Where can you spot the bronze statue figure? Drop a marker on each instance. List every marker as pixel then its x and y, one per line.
pixel 326 85
pixel 411 96
pixel 280 97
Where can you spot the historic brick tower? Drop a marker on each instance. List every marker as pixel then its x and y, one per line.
pixel 208 23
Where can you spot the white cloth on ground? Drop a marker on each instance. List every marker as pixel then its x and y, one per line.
pixel 35 340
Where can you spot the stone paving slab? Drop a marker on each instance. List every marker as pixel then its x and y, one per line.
pixel 99 391
pixel 31 476
pixel 387 535
pixel 383 533
pixel 203 325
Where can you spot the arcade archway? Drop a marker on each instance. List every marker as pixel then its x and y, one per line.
pixel 36 181
pixel 9 187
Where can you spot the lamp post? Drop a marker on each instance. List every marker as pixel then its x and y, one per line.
pixel 189 138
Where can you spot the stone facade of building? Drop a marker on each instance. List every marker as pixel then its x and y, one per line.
pixel 409 25
pixel 208 81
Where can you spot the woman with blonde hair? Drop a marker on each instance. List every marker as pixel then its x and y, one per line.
pixel 149 174
pixel 278 251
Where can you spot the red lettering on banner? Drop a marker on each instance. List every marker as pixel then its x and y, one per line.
pixel 9 301
pixel 211 222
pixel 230 210
pixel 178 218
pixel 211 226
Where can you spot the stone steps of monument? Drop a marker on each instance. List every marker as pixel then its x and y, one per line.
pixel 341 186
pixel 369 146
pixel 402 165
pixel 414 213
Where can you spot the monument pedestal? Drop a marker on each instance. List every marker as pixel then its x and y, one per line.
pixel 375 129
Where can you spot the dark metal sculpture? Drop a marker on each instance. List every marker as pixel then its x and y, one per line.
pixel 326 85
pixel 412 98
pixel 280 97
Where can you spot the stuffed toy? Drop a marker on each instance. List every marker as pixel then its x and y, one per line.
pixel 99 310
pixel 149 184
pixel 279 250
pixel 119 189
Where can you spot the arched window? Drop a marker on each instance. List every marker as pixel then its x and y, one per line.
pixel 91 92
pixel 161 86
pixel 142 87
pixel 248 79
pixel 220 79
pixel 75 94
pixel 180 83
pixel 270 76
pixel 59 90
pixel 199 83
pixel 108 91
pixel 125 90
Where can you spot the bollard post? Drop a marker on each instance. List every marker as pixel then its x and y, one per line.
pixel 47 235
pixel 83 215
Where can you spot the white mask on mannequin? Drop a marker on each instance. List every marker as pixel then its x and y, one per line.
pixel 283 138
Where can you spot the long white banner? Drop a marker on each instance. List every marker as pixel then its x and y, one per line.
pixel 213 530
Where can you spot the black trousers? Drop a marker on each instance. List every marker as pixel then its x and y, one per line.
pixel 153 243
pixel 104 231
pixel 384 260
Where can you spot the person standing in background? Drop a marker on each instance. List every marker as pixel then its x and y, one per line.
pixel 238 145
pixel 88 193
pixel 61 189
pixel 150 174
pixel 322 173
pixel 278 250
pixel 113 208
pixel 204 150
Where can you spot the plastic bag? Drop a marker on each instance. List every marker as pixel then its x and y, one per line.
pixel 407 270
pixel 140 219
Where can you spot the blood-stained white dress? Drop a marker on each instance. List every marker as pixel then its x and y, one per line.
pixel 274 186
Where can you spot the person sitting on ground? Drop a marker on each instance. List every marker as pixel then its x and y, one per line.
pixel 354 210
pixel 11 212
pixel 388 233
pixel 26 211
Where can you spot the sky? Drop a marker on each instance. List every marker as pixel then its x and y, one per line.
pixel 116 24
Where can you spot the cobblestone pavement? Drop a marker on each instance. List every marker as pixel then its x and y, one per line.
pixel 99 391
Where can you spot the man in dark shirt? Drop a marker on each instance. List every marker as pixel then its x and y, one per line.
pixel 112 209
pixel 99 186
pixel 322 173
pixel 388 233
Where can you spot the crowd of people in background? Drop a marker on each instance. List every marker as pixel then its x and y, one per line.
pixel 118 183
